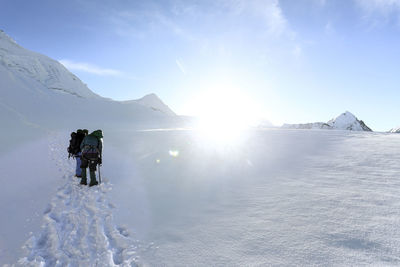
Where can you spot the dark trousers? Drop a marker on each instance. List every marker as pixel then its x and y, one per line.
pixel 92 164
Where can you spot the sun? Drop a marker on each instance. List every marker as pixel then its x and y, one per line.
pixel 224 114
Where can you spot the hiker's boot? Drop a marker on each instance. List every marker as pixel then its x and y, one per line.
pixel 93 179
pixel 84 179
pixel 92 183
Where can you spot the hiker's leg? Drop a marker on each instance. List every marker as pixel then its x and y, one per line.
pixel 78 171
pixel 92 168
pixel 84 165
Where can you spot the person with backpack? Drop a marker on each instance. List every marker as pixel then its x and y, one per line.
pixel 91 147
pixel 74 149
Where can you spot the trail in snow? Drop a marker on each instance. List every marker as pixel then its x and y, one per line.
pixel 78 229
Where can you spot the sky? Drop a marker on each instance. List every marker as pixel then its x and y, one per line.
pixel 281 60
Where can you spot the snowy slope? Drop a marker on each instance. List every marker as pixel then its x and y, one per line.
pixel 154 102
pixel 345 121
pixel 46 71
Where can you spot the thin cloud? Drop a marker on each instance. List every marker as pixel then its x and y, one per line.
pixel 276 21
pixel 268 11
pixel 181 66
pixel 297 51
pixel 379 12
pixel 320 2
pixel 176 18
pixel 329 28
pixel 89 68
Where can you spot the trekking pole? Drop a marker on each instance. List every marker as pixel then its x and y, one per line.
pixel 99 175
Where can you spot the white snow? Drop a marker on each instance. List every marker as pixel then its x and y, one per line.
pixel 48 72
pixel 277 197
pixel 78 227
pixel 280 197
pixel 78 230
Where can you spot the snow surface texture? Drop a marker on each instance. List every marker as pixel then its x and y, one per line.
pixel 345 121
pixel 78 227
pixel 276 197
pixel 79 231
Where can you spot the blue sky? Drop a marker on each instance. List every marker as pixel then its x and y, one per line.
pixel 287 61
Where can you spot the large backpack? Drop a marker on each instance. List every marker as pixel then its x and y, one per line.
pixel 73 143
pixel 90 149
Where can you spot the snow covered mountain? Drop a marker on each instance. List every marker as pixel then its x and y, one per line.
pixel 395 130
pixel 40 93
pixel 154 102
pixel 345 121
pixel 44 70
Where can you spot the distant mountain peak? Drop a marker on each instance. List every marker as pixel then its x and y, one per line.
pixel 347 115
pixel 4 37
pixel 345 121
pixel 395 130
pixel 151 96
pixel 154 102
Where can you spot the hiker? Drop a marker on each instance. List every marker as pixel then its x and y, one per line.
pixel 91 146
pixel 74 149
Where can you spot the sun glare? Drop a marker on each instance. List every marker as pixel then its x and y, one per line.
pixel 225 114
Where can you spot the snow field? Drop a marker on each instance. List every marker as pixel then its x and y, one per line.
pixel 280 198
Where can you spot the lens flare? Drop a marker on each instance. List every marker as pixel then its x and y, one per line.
pixel 174 153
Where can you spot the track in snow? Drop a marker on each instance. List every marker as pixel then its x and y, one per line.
pixel 78 228
pixel 78 231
